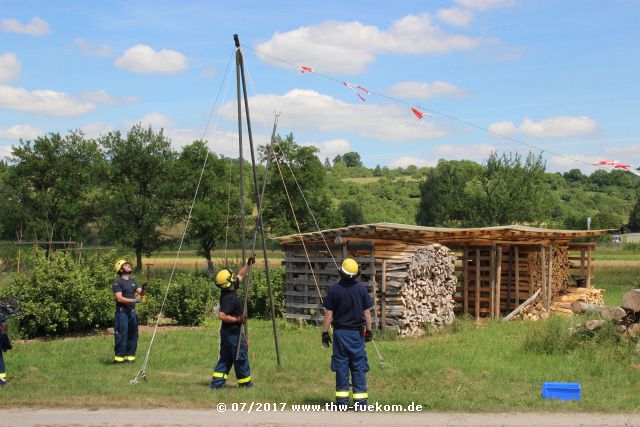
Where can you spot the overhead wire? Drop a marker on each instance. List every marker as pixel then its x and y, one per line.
pixel 541 150
pixel 142 373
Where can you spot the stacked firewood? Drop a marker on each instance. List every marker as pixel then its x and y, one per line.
pixel 560 269
pixel 562 302
pixel 426 294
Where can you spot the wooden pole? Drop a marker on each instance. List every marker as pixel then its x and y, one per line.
pixel 492 276
pixel 465 281
pixel 589 263
pixel 543 285
pixel 374 289
pixel 517 261
pixel 509 277
pixel 550 276
pixel 384 293
pixel 498 281
pixel 477 307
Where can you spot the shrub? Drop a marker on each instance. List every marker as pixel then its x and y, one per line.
pixel 58 295
pixel 259 305
pixel 190 298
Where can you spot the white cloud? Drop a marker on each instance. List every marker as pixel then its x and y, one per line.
pixel 475 152
pixel 10 67
pixel 145 60
pixel 483 5
pixel 558 126
pixel 5 150
pixel 308 110
pixel 331 147
pixel 14 133
pixel 47 102
pixel 503 128
pixel 403 162
pixel 455 16
pixel 96 129
pixel 103 97
pixel 37 26
pixel 423 90
pixel 348 47
pixel 155 120
pixel 552 127
pixel 85 47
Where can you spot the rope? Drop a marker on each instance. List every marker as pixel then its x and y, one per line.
pixel 439 113
pixel 142 374
pixel 381 360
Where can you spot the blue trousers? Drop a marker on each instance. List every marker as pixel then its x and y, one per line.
pixel 125 326
pixel 228 347
pixel 2 371
pixel 349 356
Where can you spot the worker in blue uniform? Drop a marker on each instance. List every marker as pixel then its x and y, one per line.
pixel 125 323
pixel 5 344
pixel 348 309
pixel 231 313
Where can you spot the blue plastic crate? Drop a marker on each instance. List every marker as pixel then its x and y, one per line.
pixel 561 391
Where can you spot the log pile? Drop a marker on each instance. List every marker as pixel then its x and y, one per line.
pixel 560 269
pixel 562 303
pixel 420 285
pixel 626 317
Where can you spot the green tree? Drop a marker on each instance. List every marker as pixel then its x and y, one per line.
pixel 634 216
pixel 442 192
pixel 377 171
pixel 337 159
pixel 351 212
pixel 140 197
pixel 50 190
pixel 352 159
pixel 216 208
pixel 310 176
pixel 508 191
pixel 327 163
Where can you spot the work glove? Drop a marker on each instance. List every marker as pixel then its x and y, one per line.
pixel 240 319
pixel 368 335
pixel 137 300
pixel 251 260
pixel 144 287
pixel 326 339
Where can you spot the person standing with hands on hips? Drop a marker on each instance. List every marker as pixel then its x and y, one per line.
pixel 231 314
pixel 126 320
pixel 347 307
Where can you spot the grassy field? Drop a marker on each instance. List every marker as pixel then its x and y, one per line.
pixel 496 367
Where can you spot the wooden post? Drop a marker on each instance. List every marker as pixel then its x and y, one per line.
pixel 589 267
pixel 384 293
pixel 372 260
pixel 498 281
pixel 543 285
pixel 517 261
pixel 550 277
pixel 582 251
pixel 509 278
pixel 477 307
pixel 465 281
pixel 492 287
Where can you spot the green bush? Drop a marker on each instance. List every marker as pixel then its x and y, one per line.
pixel 59 295
pixel 190 298
pixel 259 305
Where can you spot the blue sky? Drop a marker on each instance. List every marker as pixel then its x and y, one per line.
pixel 559 75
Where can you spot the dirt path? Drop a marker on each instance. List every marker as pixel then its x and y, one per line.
pixel 187 417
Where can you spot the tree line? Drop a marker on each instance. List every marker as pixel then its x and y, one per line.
pixel 133 189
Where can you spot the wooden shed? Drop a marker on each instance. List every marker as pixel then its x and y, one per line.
pixel 496 268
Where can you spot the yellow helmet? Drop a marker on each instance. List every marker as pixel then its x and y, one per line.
pixel 349 268
pixel 118 265
pixel 224 278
